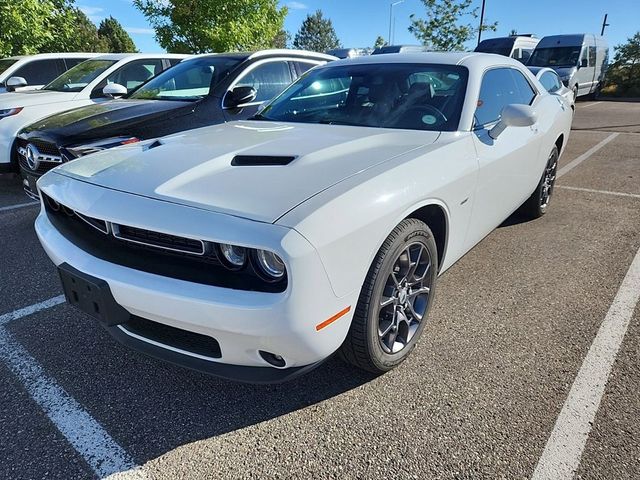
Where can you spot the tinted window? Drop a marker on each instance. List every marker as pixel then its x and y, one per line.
pixel 304 66
pixel 72 62
pixel 6 63
pixel 550 81
pixel 40 72
pixel 555 56
pixel 592 56
pixel 189 80
pixel 501 46
pixel 268 80
pixel 80 76
pixel 135 73
pixel 388 95
pixel 501 87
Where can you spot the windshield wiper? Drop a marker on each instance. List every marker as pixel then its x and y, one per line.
pixel 259 116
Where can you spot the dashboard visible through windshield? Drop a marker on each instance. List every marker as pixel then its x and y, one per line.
pixel 401 96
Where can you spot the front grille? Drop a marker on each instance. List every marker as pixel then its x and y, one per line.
pixel 160 240
pixel 45 148
pixel 174 337
pixel 88 234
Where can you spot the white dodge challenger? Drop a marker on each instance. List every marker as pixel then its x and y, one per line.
pixel 255 250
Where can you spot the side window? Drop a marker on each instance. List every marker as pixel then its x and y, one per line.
pixel 268 79
pixel 174 61
pixel 135 73
pixel 498 90
pixel 592 56
pixel 526 93
pixel 302 67
pixel 40 72
pixel 72 62
pixel 584 55
pixel 550 81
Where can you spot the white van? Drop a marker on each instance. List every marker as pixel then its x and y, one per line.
pixel 580 60
pixel 519 47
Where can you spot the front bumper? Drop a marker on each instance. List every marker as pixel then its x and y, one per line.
pixel 242 322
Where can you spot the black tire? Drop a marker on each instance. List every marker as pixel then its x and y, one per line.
pixel 538 203
pixel 575 93
pixel 363 345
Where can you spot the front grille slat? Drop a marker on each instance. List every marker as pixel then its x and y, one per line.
pixel 160 240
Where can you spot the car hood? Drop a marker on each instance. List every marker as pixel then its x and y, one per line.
pixel 34 97
pixel 195 167
pixel 100 120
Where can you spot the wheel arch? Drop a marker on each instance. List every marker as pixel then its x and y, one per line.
pixel 560 143
pixel 436 217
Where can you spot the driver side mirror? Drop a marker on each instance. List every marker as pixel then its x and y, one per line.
pixel 16 82
pixel 584 62
pixel 239 96
pixel 514 115
pixel 114 90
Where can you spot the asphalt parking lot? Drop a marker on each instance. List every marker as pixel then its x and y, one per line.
pixel 500 386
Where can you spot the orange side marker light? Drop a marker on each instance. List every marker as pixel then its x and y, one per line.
pixel 329 321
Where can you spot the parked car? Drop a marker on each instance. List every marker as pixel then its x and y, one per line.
pixel 204 90
pixel 255 249
pixel 580 60
pixel 550 80
pixel 90 82
pixel 399 49
pixel 34 71
pixel 519 47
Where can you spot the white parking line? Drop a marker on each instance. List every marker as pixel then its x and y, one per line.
pixel 19 205
pixel 84 433
pixel 590 105
pixel 604 192
pixel 574 163
pixel 563 451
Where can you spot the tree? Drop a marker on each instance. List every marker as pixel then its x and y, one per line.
pixel 282 39
pixel 74 32
pixel 623 76
pixel 380 42
pixel 513 32
pixel 115 37
pixel 189 26
pixel 316 34
pixel 25 25
pixel 444 28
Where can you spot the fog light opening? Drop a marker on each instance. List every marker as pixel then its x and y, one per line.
pixel 68 211
pixel 273 359
pixel 55 206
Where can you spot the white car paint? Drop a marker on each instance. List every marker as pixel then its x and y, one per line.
pixel 326 214
pixel 38 104
pixel 560 88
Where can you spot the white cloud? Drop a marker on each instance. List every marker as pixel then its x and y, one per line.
pixel 140 31
pixel 90 11
pixel 297 6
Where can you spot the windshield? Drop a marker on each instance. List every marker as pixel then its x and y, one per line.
pixel 555 57
pixel 75 79
pixel 6 63
pixel 392 95
pixel 189 80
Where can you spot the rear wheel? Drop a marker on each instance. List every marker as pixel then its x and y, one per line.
pixel 538 202
pixel 395 299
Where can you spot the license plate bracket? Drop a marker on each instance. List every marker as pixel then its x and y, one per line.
pixel 91 295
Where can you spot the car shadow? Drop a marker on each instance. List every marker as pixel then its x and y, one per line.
pixel 151 407
pixel 516 218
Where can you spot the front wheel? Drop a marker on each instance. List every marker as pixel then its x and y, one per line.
pixel 395 300
pixel 538 202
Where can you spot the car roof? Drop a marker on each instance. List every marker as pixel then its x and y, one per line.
pixel 468 59
pixel 52 55
pixel 126 56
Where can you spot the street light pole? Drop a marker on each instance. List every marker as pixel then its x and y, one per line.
pixel 481 22
pixel 391 19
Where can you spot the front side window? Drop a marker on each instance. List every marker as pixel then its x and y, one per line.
pixel 135 73
pixel 40 72
pixel 592 56
pixel 501 87
pixel 550 81
pixel 395 95
pixel 189 80
pixel 5 63
pixel 77 78
pixel 268 79
pixel 555 56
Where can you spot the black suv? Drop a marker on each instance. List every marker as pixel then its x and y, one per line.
pixel 199 91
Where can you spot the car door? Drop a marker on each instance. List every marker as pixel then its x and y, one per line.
pixel 507 165
pixel 268 78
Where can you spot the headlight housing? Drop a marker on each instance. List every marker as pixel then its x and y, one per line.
pixel 265 264
pixel 232 256
pixel 269 265
pixel 99 145
pixel 8 112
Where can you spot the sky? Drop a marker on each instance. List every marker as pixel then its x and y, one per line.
pixel 359 22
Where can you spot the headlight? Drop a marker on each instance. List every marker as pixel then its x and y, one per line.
pixel 233 256
pixel 98 145
pixel 269 265
pixel 8 112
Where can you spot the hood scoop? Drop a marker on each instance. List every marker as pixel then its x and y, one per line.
pixel 261 160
